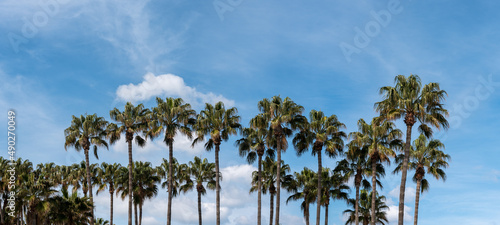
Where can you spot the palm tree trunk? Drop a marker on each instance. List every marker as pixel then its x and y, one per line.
pixel 278 182
pixel 111 207
pixel 404 170
pixel 170 180
pixel 130 165
pixel 326 214
pixel 271 209
pixel 135 214
pixel 140 214
pixel 217 184
pixel 259 193
pixel 306 213
pixel 89 183
pixel 318 202
pixel 356 206
pixel 417 199
pixel 374 190
pixel 199 208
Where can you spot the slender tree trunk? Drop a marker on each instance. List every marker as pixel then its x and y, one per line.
pixel 404 170
pixel 417 199
pixel 278 182
pixel 89 183
pixel 306 213
pixel 318 202
pixel 170 180
pixel 135 215
pixel 111 207
pixel 217 184
pixel 140 213
pixel 130 166
pixel 356 206
pixel 259 193
pixel 374 190
pixel 326 214
pixel 199 207
pixel 271 209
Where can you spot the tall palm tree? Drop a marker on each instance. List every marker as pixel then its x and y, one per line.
pixel 254 144
pixel 108 173
pixel 380 137
pixel 426 156
pixel 132 121
pixel 219 123
pixel 365 209
pixel 171 116
pixel 284 116
pixel 333 187
pixel 355 165
pixel 409 100
pixel 304 188
pixel 200 171
pixel 321 131
pixel 87 131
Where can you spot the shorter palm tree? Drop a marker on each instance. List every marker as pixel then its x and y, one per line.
pixel 304 187
pixel 334 187
pixel 70 209
pixel 364 215
pixel 200 171
pixel 108 173
pixel 426 156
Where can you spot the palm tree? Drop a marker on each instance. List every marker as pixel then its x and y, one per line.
pixel 200 171
pixel 269 167
pixel 87 131
pixel 322 131
pixel 108 174
pixel 426 156
pixel 254 144
pixel 171 116
pixel 132 121
pixel 101 221
pixel 219 123
pixel 284 116
pixel 304 188
pixel 365 209
pixel 380 137
pixel 355 165
pixel 409 100
pixel 333 187
pixel 70 209
pixel 145 180
pixel 179 175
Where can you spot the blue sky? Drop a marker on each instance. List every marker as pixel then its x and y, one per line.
pixel 60 58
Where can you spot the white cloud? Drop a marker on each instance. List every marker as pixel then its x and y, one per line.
pixel 167 85
pixel 393 212
pixel 409 194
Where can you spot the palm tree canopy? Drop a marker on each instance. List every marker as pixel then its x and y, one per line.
pixel 86 131
pixel 409 100
pixel 426 157
pixel 320 131
pixel 133 120
pixel 200 171
pixel 365 200
pixel 218 122
pixel 170 116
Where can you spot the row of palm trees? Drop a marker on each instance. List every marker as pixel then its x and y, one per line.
pixel 279 120
pixel 43 197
